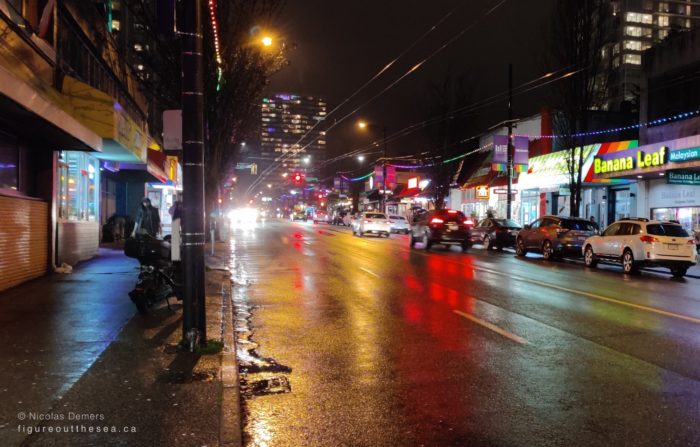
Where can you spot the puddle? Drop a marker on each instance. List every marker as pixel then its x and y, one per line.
pixel 267 386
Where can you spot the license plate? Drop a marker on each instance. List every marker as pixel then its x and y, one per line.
pixel 452 227
pixel 672 246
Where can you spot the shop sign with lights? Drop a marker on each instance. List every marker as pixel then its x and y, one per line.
pixel 622 161
pixel 413 183
pixel 482 192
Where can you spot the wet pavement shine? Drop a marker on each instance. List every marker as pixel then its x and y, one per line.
pixel 365 342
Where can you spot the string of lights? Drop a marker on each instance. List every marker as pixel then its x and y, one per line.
pixel 217 46
pixel 655 122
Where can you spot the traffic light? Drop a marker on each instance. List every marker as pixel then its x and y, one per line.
pixel 298 178
pixel 320 196
pixel 221 200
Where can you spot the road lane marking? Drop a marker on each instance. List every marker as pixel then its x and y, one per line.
pixel 493 327
pixel 370 272
pixel 582 293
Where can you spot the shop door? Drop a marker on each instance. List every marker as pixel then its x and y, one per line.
pixel 620 204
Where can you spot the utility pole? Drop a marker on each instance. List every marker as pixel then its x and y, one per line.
pixel 384 173
pixel 510 142
pixel 193 233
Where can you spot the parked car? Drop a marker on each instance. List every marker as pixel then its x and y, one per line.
pixel 399 224
pixel 446 227
pixel 554 237
pixel 497 233
pixel 636 243
pixel 371 223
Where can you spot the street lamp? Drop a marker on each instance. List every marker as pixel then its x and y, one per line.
pixel 269 185
pixel 363 125
pixel 307 160
pixel 361 158
pixel 266 41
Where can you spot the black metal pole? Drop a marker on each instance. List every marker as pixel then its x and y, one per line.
pixel 510 142
pixel 193 234
pixel 384 174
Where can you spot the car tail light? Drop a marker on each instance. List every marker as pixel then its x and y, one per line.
pixel 648 239
pixel 437 221
pixel 452 211
pixel 468 222
pixel 561 231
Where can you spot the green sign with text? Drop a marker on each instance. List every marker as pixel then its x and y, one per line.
pixel 681 155
pixel 683 178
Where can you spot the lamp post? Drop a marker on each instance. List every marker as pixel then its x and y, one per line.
pixel 365 125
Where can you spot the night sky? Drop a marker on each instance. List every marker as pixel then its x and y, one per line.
pixel 342 44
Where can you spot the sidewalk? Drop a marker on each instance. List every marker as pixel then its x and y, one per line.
pixel 79 358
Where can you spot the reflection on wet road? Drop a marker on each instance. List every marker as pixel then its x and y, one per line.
pixel 362 341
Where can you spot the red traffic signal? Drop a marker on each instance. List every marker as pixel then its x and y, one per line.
pixel 298 178
pixel 320 196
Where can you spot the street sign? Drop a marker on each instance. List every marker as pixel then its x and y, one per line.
pixel 504 191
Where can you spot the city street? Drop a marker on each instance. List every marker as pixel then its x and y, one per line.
pixel 364 341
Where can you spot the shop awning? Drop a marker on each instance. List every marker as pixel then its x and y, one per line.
pixel 155 165
pixel 502 181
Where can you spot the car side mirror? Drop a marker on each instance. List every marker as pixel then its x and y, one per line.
pixel 526 227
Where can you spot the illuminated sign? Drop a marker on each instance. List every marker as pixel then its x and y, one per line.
pixel 626 163
pixel 505 191
pixel 482 192
pixel 413 183
pixel 692 153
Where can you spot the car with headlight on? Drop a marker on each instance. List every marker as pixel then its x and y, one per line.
pixel 321 217
pixel 637 243
pixel 371 223
pixel 297 215
pixel 243 216
pixel 399 224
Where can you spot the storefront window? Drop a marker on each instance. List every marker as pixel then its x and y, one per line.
pixel 688 217
pixel 9 162
pixel 78 180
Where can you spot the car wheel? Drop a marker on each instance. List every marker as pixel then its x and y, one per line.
pixel 589 257
pixel 629 265
pixel 411 241
pixel 679 272
pixel 520 249
pixel 426 241
pixel 547 251
pixel 465 246
pixel 487 242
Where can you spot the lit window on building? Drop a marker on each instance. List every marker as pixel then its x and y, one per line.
pixel 138 47
pixel 634 45
pixel 663 20
pixel 634 59
pixel 116 25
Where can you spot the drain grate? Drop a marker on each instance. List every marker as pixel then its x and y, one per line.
pixel 270 385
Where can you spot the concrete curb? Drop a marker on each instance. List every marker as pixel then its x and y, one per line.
pixel 231 428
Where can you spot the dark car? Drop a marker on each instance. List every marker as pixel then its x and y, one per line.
pixel 497 233
pixel 446 227
pixel 555 237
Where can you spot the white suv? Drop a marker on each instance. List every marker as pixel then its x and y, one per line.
pixel 639 243
pixel 374 223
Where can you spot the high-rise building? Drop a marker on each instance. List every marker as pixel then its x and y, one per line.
pixel 290 136
pixel 638 25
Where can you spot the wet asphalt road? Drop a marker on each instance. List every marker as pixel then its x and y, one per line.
pixel 383 345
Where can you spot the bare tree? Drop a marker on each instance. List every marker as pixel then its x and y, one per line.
pixel 443 98
pixel 233 87
pixel 582 43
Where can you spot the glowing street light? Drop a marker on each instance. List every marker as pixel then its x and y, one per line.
pixel 269 185
pixel 307 160
pixel 362 124
pixel 266 41
pixel 360 158
pixel 284 175
pixel 234 179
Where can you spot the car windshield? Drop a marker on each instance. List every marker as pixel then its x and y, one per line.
pixel 506 223
pixel 667 230
pixel 579 225
pixel 375 216
pixel 451 217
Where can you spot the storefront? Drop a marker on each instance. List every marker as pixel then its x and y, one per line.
pixel 545 187
pixel 668 177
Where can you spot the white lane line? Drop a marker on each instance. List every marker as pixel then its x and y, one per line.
pixel 370 272
pixel 595 296
pixel 493 327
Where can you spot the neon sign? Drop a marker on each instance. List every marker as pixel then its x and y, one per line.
pixel 642 160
